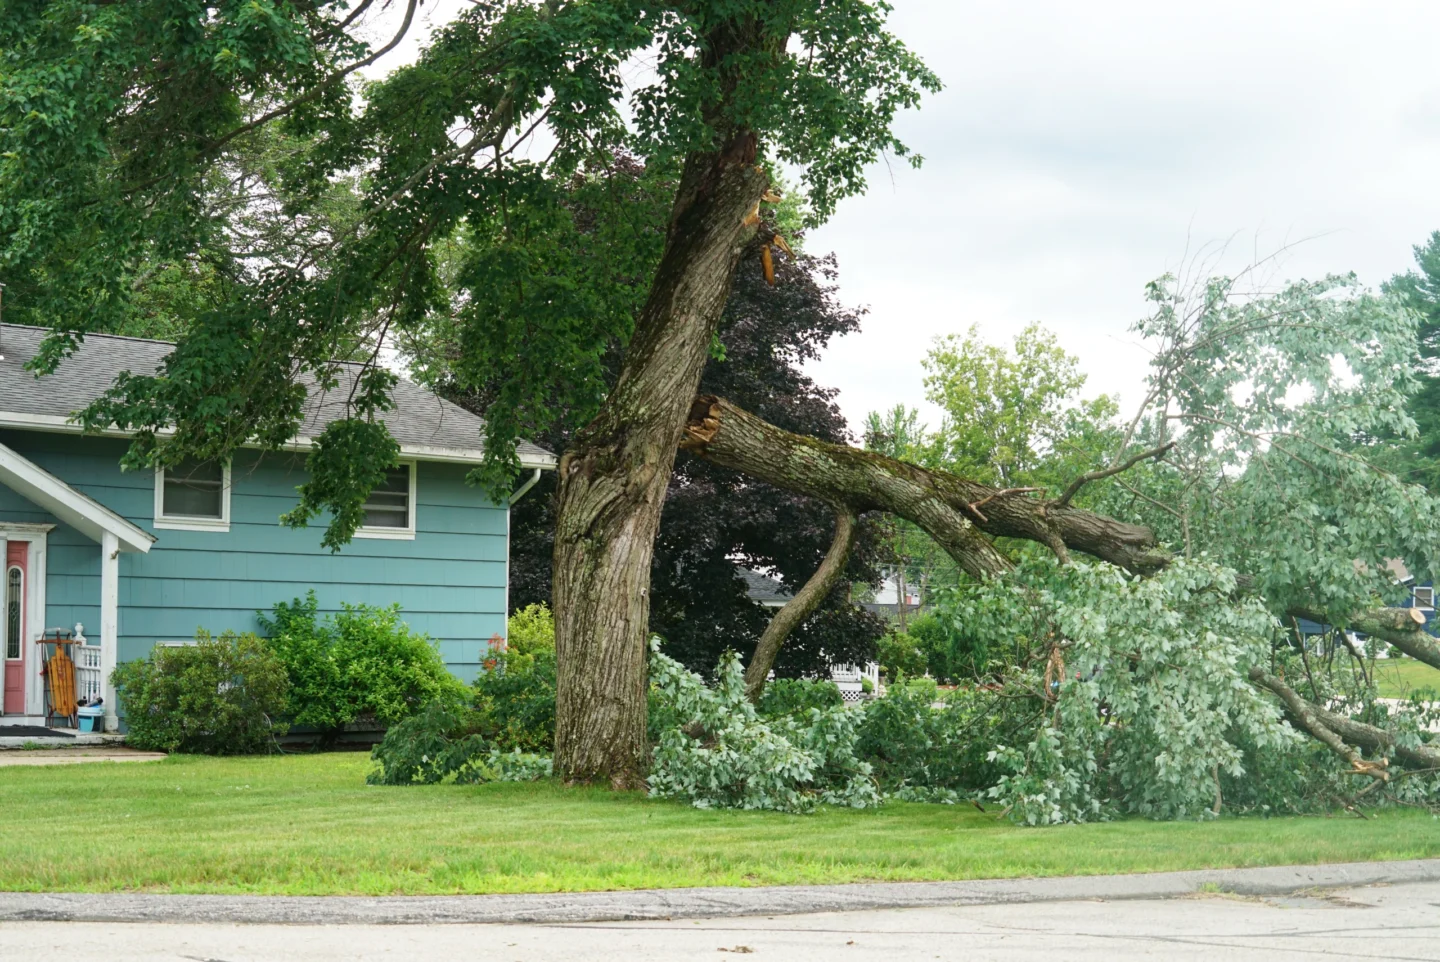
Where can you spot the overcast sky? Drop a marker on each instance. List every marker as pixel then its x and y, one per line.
pixel 1081 149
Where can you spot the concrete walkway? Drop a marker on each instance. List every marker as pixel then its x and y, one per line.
pixel 1397 922
pixel 73 756
pixel 711 903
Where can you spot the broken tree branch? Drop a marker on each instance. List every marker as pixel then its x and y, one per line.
pixel 1306 715
pixel 1064 500
pixel 937 502
pixel 805 601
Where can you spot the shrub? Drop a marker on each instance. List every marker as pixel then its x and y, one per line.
pixel 515 702
pixel 361 661
pixel 515 695
pixel 219 696
pixel 431 747
pixel 900 657
pixel 789 696
pixel 530 631
pixel 921 752
pixel 721 754
pixel 951 653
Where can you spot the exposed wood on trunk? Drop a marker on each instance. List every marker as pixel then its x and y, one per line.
pixel 938 502
pixel 612 480
pixel 805 601
pixel 1307 715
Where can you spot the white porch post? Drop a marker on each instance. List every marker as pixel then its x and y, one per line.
pixel 109 621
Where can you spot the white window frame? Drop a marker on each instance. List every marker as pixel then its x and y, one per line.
pixel 406 533
pixel 1429 604
pixel 180 522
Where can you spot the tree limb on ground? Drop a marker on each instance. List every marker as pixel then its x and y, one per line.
pixel 944 506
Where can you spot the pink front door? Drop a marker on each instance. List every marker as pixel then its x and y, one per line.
pixel 12 626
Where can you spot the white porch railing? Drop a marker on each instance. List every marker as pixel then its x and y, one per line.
pixel 89 674
pixel 848 679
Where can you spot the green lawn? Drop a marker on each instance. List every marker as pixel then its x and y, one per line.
pixel 1396 677
pixel 309 825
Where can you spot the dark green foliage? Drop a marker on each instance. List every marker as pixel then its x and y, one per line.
pixel 424 749
pixel 1420 462
pixel 791 696
pixel 901 656
pixel 953 653
pixel 219 696
pixel 515 702
pixel 914 743
pixel 435 745
pixel 362 661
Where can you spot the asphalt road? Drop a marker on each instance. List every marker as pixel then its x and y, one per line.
pixel 1392 922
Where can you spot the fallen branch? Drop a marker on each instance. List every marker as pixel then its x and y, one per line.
pixel 1308 715
pixel 1064 500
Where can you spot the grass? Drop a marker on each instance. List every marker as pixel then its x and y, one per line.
pixel 1397 677
pixel 308 824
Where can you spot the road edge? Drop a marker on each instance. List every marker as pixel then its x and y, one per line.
pixel 715 902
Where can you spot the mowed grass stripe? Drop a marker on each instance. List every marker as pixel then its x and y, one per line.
pixel 308 825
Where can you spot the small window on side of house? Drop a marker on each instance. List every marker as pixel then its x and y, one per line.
pixel 1424 596
pixel 390 509
pixel 193 495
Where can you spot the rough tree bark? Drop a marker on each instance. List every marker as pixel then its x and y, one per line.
pixel 956 512
pixel 805 601
pixel 1402 627
pixel 612 480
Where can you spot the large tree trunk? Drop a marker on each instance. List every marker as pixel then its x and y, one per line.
pixel 612 480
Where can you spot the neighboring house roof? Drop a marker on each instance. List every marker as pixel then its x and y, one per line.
pixel 427 426
pixel 763 589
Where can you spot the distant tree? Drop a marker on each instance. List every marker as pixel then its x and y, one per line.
pixel 1419 460
pixel 1013 417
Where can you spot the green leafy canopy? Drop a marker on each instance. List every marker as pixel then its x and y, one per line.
pixel 128 134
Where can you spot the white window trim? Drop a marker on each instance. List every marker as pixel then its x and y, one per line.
pixel 187 523
pixel 1415 597
pixel 406 533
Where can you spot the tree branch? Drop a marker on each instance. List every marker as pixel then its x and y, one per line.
pixel 1064 500
pixel 805 601
pixel 1308 716
pixel 938 502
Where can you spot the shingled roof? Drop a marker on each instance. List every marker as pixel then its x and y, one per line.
pixel 426 426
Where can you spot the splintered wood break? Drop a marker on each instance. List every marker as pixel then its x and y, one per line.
pixel 703 423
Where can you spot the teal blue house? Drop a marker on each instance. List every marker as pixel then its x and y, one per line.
pixel 132 559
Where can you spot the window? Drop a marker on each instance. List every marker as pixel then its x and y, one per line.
pixel 193 496
pixel 13 585
pixel 390 512
pixel 1424 596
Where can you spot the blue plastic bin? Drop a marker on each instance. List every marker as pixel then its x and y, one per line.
pixel 92 717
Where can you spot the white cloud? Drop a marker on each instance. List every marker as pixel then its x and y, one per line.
pixel 1081 149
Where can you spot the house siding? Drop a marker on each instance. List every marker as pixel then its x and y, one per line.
pixel 450 580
